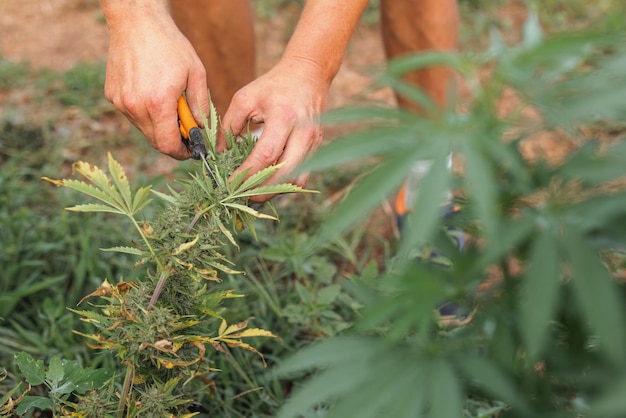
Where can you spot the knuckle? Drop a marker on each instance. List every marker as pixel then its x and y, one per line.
pixel 154 102
pixel 240 97
pixel 267 154
pixel 289 115
pixel 311 132
pixel 129 103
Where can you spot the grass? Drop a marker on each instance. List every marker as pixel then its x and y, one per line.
pixel 82 86
pixel 12 74
pixel 50 258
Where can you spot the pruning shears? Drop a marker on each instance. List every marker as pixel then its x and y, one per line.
pixel 192 134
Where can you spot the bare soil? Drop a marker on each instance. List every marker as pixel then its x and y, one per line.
pixel 57 34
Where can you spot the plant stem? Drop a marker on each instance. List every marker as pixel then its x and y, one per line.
pixel 164 275
pixel 197 217
pixel 147 242
pixel 158 289
pixel 126 389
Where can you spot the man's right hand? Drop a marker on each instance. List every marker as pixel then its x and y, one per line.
pixel 150 64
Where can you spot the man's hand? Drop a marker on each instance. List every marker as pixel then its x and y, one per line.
pixel 150 63
pixel 288 101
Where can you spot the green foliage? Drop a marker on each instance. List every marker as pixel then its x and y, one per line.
pixel 49 259
pixel 12 74
pixel 159 327
pixel 578 13
pixel 290 289
pixel 82 86
pixel 62 378
pixel 266 9
pixel 546 338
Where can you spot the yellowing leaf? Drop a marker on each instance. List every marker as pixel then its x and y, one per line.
pixel 239 223
pixel 187 245
pixel 166 363
pixel 208 274
pixel 222 327
pixel 185 264
pixel 89 320
pixel 103 342
pixel 147 229
pixel 254 332
pixel 99 179
pixel 115 193
pixel 119 178
pixel 248 209
pixel 223 330
pixel 171 363
pixel 58 183
pixel 226 232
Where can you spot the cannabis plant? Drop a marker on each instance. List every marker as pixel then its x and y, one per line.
pixel 544 266
pixel 164 327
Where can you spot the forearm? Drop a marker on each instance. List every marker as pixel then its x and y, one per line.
pixel 119 12
pixel 323 32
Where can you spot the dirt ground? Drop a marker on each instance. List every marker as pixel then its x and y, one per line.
pixel 57 34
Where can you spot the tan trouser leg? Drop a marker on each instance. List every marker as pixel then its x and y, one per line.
pixel 421 25
pixel 222 33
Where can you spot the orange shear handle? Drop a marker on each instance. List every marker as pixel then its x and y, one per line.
pixel 186 122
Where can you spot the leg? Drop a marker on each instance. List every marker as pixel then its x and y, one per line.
pixel 420 25
pixel 222 33
pixel 412 26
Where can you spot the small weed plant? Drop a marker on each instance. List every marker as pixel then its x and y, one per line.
pixel 164 328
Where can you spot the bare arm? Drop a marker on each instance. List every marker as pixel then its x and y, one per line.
pixel 323 32
pixel 291 96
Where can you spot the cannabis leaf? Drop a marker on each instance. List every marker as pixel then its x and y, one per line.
pixel 113 191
